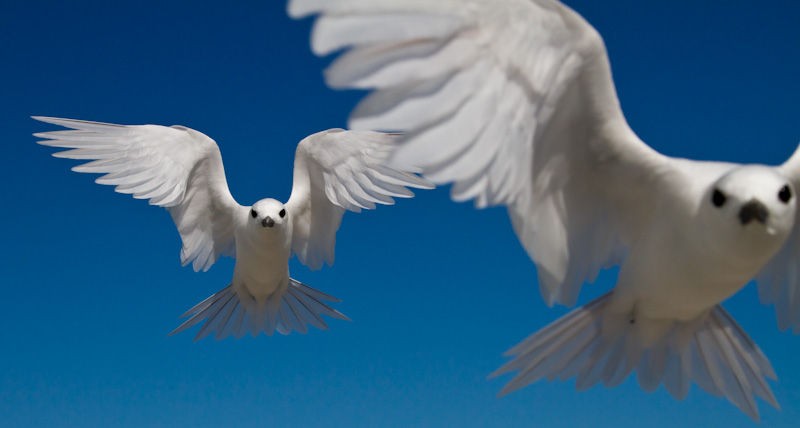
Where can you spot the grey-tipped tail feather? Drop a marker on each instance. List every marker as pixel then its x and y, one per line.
pixel 596 345
pixel 227 313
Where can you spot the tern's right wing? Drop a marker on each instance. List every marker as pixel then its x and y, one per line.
pixel 174 167
pixel 513 102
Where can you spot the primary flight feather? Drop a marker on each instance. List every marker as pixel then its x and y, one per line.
pixel 181 169
pixel 513 102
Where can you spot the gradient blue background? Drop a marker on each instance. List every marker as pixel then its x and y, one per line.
pixel 437 291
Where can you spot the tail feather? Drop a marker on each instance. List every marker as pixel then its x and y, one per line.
pixel 299 307
pixel 204 309
pixel 290 321
pixel 706 371
pixel 752 366
pixel 240 327
pixel 228 313
pixel 225 316
pixel 571 362
pixel 677 377
pixel 734 380
pixel 214 319
pixel 653 367
pixel 594 345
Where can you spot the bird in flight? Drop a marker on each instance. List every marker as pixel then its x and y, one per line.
pixel 513 102
pixel 181 170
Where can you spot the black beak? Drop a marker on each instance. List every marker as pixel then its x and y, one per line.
pixel 267 222
pixel 753 210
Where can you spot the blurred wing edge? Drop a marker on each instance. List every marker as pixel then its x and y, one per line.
pixel 513 102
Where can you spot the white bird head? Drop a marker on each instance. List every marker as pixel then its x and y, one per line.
pixel 749 210
pixel 269 214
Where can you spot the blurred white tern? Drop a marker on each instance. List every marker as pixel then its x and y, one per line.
pixel 513 102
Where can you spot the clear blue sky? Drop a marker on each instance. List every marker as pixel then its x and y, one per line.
pixel 437 291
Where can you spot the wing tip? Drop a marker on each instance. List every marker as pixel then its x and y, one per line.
pixel 298 9
pixel 51 120
pixel 75 123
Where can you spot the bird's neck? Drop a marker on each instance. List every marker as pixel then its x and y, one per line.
pixel 264 244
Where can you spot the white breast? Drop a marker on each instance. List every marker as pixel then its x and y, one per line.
pixel 262 261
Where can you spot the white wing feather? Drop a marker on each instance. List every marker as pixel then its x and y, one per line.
pixel 334 171
pixel 779 281
pixel 174 167
pixel 513 102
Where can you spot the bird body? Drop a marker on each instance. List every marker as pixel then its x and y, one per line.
pixel 513 102
pixel 181 169
pixel 263 253
pixel 664 310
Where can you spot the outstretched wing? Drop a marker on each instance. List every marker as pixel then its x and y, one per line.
pixel 338 170
pixel 779 281
pixel 174 167
pixel 513 102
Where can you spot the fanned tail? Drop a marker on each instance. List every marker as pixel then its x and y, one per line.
pixel 229 313
pixel 596 345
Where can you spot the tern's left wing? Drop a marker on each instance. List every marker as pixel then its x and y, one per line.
pixel 779 281
pixel 338 170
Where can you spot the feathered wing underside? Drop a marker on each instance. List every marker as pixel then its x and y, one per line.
pixel 595 346
pixel 513 102
pixel 228 313
pixel 779 281
pixel 335 171
pixel 174 167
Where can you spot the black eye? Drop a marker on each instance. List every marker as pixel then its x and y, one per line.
pixel 785 194
pixel 718 199
pixel 253 213
pixel 282 213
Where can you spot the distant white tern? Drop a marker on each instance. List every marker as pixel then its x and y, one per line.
pixel 513 102
pixel 181 169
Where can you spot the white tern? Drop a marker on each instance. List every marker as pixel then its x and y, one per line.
pixel 181 169
pixel 513 102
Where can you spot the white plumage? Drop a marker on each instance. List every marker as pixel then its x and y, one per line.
pixel 513 102
pixel 181 169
